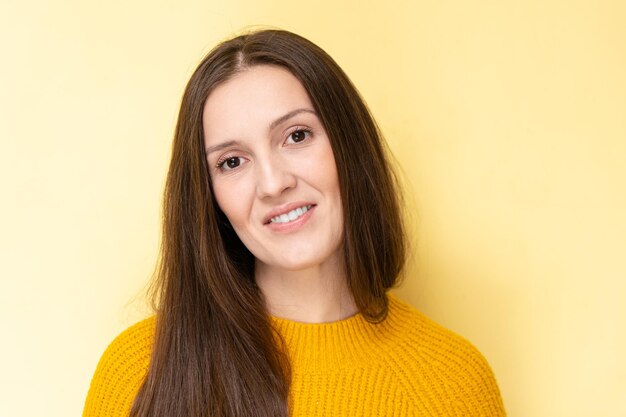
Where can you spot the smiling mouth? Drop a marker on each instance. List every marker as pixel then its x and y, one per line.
pixel 291 215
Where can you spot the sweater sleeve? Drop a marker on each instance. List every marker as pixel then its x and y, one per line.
pixel 473 387
pixel 120 372
pixel 449 376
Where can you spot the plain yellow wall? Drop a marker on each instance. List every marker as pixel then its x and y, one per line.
pixel 507 118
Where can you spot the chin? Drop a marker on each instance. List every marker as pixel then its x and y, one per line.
pixel 296 263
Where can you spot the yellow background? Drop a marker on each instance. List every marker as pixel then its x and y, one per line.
pixel 507 118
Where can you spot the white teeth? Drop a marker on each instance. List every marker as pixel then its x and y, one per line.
pixel 291 216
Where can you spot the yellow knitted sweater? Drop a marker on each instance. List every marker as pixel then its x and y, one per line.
pixel 405 366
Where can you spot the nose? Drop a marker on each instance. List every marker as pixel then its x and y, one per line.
pixel 274 176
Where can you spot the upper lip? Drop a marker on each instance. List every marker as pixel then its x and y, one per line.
pixel 284 209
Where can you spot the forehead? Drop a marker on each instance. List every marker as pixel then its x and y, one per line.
pixel 251 100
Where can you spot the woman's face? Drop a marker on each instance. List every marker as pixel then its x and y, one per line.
pixel 272 169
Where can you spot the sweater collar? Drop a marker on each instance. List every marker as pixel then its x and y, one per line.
pixel 348 343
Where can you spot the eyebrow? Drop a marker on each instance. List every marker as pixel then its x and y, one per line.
pixel 275 123
pixel 219 146
pixel 288 116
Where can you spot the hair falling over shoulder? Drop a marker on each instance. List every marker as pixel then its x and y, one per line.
pixel 215 351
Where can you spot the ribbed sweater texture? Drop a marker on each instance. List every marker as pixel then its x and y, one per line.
pixel 406 365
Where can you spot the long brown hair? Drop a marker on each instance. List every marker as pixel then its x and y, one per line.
pixel 215 351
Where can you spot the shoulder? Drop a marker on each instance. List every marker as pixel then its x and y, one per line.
pixel 121 371
pixel 444 368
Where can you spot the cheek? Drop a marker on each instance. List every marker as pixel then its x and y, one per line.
pixel 231 201
pixel 322 173
pixel 327 172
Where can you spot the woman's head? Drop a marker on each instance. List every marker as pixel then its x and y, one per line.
pixel 363 220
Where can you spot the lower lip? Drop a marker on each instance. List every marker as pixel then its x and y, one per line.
pixel 293 225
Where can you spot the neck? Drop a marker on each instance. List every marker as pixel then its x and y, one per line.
pixel 318 294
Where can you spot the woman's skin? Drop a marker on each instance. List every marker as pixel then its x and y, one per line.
pixel 268 154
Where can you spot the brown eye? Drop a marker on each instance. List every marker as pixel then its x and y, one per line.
pixel 298 136
pixel 232 163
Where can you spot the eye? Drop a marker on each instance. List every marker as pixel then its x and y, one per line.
pixel 298 136
pixel 229 163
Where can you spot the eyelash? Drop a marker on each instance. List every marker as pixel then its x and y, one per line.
pixel 222 161
pixel 308 132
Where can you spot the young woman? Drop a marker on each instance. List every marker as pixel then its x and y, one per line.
pixel 282 236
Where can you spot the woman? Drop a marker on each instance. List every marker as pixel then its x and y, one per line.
pixel 282 236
